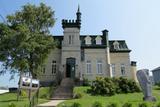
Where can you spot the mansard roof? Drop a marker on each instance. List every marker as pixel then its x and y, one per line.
pixel 122 44
pixel 156 69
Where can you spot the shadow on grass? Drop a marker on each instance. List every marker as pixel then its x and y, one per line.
pixel 11 100
pixel 8 100
pixel 157 88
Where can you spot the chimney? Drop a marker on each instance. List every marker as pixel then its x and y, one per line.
pixel 134 70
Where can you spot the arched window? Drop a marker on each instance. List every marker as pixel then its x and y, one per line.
pixel 88 40
pixel 116 45
pixel 98 40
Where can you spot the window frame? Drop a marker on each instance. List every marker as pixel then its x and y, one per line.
pixel 123 69
pixel 88 67
pixel 99 67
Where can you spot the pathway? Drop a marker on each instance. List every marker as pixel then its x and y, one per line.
pixel 52 103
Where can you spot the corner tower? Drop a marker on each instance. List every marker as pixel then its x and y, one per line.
pixel 71 47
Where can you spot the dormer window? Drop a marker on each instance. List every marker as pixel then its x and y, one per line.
pixel 88 40
pixel 116 45
pixel 98 40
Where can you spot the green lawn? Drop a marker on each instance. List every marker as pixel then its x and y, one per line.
pixel 7 98
pixel 87 100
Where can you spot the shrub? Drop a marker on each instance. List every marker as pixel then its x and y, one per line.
pixel 96 104
pixel 127 85
pixel 127 105
pixel 143 105
pixel 103 86
pixel 112 105
pixel 23 93
pixel 110 86
pixel 86 82
pixel 158 84
pixel 77 95
pixel 76 105
pixel 158 105
pixel 11 105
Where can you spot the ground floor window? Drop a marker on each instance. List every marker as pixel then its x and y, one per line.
pixel 113 73
pixel 54 67
pixel 88 64
pixel 99 67
pixel 123 71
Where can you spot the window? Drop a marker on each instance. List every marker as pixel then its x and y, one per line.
pixel 44 70
pixel 99 67
pixel 123 69
pixel 88 40
pixel 54 68
pixel 98 40
pixel 88 67
pixel 116 45
pixel 113 73
pixel 71 39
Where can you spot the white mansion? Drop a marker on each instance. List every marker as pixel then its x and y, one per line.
pixel 87 56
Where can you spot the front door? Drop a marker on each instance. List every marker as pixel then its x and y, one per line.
pixel 70 67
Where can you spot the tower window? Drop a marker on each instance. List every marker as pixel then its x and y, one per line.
pixel 71 39
pixel 54 67
pixel 88 64
pixel 99 67
pixel 123 72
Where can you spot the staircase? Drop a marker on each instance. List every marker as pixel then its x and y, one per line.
pixel 65 90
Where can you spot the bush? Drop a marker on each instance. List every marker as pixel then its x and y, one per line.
pixel 11 105
pixel 96 104
pixel 86 82
pixel 112 105
pixel 127 105
pixel 143 105
pixel 127 85
pixel 110 86
pixel 76 105
pixel 77 95
pixel 23 93
pixel 158 105
pixel 103 86
pixel 158 84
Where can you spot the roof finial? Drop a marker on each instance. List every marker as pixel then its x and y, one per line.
pixel 78 8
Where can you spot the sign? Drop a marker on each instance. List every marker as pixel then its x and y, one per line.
pixel 29 83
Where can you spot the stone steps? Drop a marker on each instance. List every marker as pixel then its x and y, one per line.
pixel 65 90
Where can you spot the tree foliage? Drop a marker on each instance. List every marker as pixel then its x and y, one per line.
pixel 25 41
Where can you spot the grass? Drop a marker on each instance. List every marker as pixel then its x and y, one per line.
pixel 87 100
pixel 8 98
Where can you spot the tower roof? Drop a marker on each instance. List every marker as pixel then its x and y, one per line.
pixel 73 23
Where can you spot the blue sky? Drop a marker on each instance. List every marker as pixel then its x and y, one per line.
pixel 136 21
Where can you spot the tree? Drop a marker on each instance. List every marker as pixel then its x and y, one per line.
pixel 25 41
